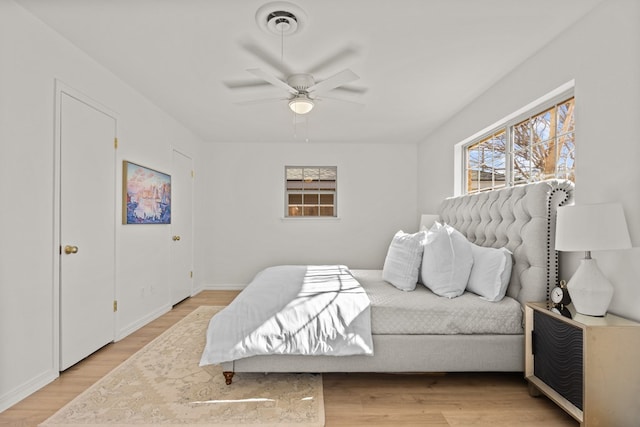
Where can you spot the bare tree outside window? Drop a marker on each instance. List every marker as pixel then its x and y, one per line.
pixel 540 147
pixel 544 145
pixel 486 163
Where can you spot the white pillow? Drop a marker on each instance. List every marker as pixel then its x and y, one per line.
pixel 490 273
pixel 446 261
pixel 402 264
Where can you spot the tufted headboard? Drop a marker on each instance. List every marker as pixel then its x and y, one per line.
pixel 522 219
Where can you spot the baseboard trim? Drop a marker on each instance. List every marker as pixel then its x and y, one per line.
pixel 17 394
pixel 131 328
pixel 223 287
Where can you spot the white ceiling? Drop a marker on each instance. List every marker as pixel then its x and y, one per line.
pixel 421 61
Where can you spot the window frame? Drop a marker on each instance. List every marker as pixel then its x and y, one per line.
pixel 551 100
pixel 319 192
pixel 500 133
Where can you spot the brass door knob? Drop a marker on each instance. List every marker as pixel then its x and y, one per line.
pixel 70 249
pixel 176 238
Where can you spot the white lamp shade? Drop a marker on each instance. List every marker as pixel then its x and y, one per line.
pixel 427 220
pixel 597 227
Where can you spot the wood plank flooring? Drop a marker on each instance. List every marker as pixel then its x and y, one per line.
pixel 464 399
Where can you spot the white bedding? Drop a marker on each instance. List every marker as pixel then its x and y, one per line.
pixel 421 312
pixel 306 310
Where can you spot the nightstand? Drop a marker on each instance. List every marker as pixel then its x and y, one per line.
pixel 589 366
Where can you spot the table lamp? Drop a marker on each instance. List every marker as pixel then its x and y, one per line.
pixel 427 221
pixel 597 227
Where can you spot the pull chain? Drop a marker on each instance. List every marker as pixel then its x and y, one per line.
pixel 304 124
pixel 282 45
pixel 295 126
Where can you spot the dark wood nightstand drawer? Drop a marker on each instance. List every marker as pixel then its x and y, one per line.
pixel 557 356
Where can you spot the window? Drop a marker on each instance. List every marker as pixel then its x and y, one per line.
pixel 310 191
pixel 544 145
pixel 486 163
pixel 533 146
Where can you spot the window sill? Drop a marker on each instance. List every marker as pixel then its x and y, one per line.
pixel 309 218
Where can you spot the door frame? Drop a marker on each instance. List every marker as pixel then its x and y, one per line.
pixel 61 89
pixel 175 149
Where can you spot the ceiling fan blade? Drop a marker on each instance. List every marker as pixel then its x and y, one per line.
pixel 343 77
pixel 273 80
pixel 260 101
pixel 339 56
pixel 352 89
pixel 266 57
pixel 245 84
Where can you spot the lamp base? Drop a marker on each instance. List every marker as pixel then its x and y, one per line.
pixel 589 290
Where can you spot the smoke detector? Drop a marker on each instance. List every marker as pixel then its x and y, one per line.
pixel 281 18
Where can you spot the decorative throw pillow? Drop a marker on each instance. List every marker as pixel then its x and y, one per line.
pixel 402 264
pixel 446 261
pixel 490 273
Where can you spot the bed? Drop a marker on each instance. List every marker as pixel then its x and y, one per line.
pixel 419 331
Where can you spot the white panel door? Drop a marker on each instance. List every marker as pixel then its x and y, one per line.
pixel 87 229
pixel 181 227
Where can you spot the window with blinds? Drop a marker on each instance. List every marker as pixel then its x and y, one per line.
pixel 310 191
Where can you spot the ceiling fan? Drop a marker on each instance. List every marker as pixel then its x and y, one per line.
pixel 302 88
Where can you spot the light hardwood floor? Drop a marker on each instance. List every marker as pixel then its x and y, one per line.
pixel 465 399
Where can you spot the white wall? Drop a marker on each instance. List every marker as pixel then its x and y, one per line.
pixel 602 54
pixel 31 57
pixel 240 189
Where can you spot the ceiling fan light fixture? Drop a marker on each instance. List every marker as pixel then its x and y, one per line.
pixel 301 104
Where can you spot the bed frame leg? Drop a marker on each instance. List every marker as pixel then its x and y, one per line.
pixel 228 377
pixel 533 390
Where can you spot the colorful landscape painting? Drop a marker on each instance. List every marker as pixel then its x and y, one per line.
pixel 146 195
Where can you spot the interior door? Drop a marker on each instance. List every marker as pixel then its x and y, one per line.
pixel 87 229
pixel 181 227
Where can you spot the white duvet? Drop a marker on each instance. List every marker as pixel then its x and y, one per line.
pixel 310 310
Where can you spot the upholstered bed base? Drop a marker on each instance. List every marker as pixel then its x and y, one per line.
pixel 520 218
pixel 405 353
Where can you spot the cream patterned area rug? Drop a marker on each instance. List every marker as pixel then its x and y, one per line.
pixel 162 384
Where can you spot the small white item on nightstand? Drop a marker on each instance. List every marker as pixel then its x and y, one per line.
pixel 585 228
pixel 427 220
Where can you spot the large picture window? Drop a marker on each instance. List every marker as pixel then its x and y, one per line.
pixel 534 146
pixel 310 191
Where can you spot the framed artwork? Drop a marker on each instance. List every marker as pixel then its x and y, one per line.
pixel 146 195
